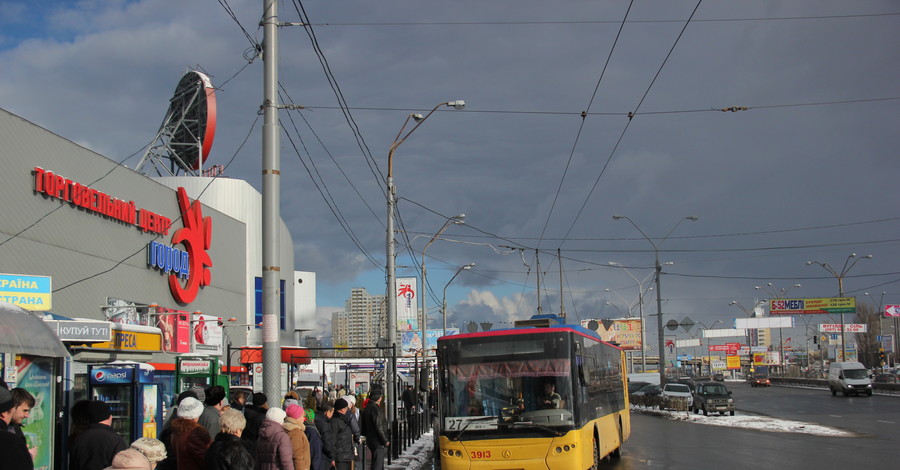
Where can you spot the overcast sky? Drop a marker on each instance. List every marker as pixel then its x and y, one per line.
pixel 804 174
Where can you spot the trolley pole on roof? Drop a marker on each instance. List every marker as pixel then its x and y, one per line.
pixel 271 200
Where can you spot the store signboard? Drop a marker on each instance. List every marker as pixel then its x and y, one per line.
pixel 83 331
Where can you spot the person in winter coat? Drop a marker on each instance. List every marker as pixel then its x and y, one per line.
pixel 374 425
pixel 95 447
pixel 228 451
pixel 153 449
pixel 355 428
pixel 255 414
pixel 274 446
pixel 343 436
pixel 212 411
pixel 130 459
pixel 323 424
pixel 190 440
pixel 315 441
pixel 296 430
pixel 168 463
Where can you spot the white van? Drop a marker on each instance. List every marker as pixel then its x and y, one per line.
pixel 847 378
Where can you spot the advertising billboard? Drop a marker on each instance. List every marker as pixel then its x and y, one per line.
pixel 812 306
pixel 626 332
pixel 28 292
pixel 407 303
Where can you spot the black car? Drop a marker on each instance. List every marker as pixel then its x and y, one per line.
pixel 712 397
pixel 648 390
pixel 634 386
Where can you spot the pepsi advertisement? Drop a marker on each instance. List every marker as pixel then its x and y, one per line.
pixel 133 398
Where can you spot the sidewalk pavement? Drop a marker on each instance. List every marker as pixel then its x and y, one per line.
pixel 418 456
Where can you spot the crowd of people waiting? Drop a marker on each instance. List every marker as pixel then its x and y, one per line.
pixel 206 432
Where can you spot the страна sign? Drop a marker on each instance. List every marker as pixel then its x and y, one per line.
pixel 28 292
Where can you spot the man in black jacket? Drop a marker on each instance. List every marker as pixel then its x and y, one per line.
pixel 343 436
pixel 326 430
pixel 13 449
pixel 94 448
pixel 374 427
pixel 255 415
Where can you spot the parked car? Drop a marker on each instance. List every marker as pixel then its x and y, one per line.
pixel 887 379
pixel 760 381
pixel 648 390
pixel 686 381
pixel 712 397
pixel 636 385
pixel 720 377
pixel 675 394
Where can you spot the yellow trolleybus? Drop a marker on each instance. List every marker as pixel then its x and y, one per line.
pixel 530 398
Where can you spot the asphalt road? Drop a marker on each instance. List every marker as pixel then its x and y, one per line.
pixel 658 442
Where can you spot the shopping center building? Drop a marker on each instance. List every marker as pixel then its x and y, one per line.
pixel 128 267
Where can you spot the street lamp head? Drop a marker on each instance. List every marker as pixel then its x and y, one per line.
pixel 618 217
pixel 417 117
pixel 469 266
pixel 797 285
pixel 733 302
pixel 810 263
pixel 459 219
pixel 458 104
pixel 852 255
pixel 692 218
pixel 614 263
pixel 868 257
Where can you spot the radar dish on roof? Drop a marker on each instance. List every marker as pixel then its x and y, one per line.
pixel 187 132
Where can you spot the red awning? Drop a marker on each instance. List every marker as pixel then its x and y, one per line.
pixel 289 355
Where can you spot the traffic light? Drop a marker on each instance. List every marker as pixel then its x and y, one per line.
pixel 881 357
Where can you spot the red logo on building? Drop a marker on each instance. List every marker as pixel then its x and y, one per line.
pixel 196 236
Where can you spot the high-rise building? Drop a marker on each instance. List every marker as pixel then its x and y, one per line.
pixel 362 322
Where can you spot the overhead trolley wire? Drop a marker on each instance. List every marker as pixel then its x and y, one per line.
pixel 630 117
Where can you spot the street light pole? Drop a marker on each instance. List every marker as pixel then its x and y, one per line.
pixel 659 319
pixel 840 277
pixel 749 340
pixel 391 267
pixel 640 310
pixel 778 294
pixel 458 219
pixel 444 303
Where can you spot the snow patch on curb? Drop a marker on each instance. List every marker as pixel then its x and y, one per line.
pixel 749 421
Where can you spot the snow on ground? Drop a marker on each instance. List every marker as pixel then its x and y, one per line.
pixel 418 456
pixel 748 421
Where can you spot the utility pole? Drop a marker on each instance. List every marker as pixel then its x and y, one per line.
pixel 271 205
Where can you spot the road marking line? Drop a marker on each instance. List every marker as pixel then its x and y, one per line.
pixel 885 422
